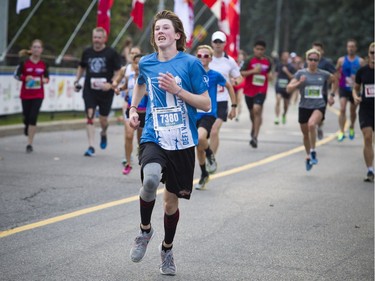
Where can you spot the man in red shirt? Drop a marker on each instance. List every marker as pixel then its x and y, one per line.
pixel 257 73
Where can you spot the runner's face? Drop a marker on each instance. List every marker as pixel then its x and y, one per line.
pixel 134 52
pixel 218 46
pixel 259 51
pixel 285 57
pixel 36 49
pixel 312 61
pixel 164 34
pixel 371 55
pixel 204 56
pixel 98 40
pixel 319 49
pixel 351 48
pixel 135 64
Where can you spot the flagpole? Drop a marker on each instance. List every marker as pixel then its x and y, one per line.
pixel 277 27
pixel 161 6
pixel 146 33
pixel 20 30
pixel 78 27
pixel 200 13
pixel 126 26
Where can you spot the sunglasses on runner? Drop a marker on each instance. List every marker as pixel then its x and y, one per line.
pixel 372 52
pixel 205 56
pixel 311 59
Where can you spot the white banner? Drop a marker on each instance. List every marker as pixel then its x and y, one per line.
pixel 59 94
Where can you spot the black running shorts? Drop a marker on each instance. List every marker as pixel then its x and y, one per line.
pixel 177 167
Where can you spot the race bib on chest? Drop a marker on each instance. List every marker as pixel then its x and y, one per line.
pixel 258 80
pixel 97 83
pixel 34 83
pixel 167 118
pixel 313 92
pixel 369 91
pixel 282 83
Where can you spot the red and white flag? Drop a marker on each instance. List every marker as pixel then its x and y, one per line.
pixel 219 9
pixel 228 16
pixel 184 9
pixel 22 4
pixel 104 14
pixel 233 37
pixel 137 12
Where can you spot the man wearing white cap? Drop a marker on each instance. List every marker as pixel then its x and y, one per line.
pixel 228 67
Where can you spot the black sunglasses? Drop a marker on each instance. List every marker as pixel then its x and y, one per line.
pixel 205 56
pixel 311 59
pixel 372 52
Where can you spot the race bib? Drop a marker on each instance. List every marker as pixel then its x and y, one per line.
pixel 258 80
pixel 282 83
pixel 97 83
pixel 167 118
pixel 34 83
pixel 348 82
pixel 369 91
pixel 313 92
pixel 220 89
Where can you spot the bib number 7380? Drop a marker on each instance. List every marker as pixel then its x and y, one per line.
pixel 167 118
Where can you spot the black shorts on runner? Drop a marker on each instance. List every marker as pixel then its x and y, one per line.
pixel 283 93
pixel 141 117
pixel 206 122
pixel 177 167
pixel 102 100
pixel 366 117
pixel 346 94
pixel 257 99
pixel 304 114
pixel 222 110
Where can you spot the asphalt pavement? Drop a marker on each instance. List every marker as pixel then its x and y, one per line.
pixel 64 216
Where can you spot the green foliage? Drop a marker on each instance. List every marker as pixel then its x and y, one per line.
pixel 302 22
pixel 306 21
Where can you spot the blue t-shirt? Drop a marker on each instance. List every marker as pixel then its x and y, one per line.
pixel 214 79
pixel 170 122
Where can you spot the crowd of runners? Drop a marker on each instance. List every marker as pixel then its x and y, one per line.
pixel 177 103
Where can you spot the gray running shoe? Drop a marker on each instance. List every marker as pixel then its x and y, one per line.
pixel 202 182
pixel 167 266
pixel 139 249
pixel 211 164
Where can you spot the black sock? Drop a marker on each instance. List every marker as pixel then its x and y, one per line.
pixel 146 209
pixel 170 225
pixel 208 152
pixel 203 169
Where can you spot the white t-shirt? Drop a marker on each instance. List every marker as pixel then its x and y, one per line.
pixel 228 67
pixel 129 70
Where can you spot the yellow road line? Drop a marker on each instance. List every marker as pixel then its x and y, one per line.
pixel 159 191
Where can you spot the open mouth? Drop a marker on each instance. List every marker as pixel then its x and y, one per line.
pixel 161 38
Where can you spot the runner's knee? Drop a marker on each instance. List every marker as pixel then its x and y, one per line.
pixel 151 180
